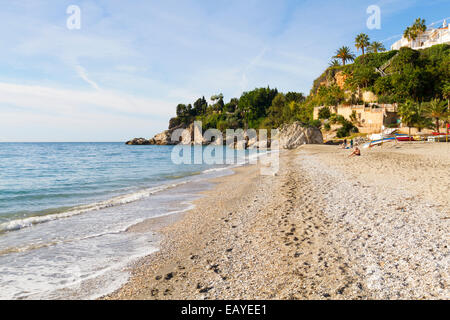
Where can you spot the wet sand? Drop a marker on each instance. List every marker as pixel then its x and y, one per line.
pixel 325 227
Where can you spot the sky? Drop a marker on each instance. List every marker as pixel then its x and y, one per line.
pixel 121 74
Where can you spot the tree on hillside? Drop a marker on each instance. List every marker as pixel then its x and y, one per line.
pixel 184 114
pixel 376 47
pixel 409 34
pixel 219 105
pixel 200 106
pixel 276 110
pixel 330 96
pixel 216 97
pixel 324 113
pixel 253 105
pixel 295 96
pixel 416 30
pixel 437 109
pixel 181 110
pixel 362 42
pixel 362 77
pixel 334 63
pixel 231 106
pixel 420 27
pixel 344 54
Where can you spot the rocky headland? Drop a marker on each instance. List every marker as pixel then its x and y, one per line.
pixel 290 136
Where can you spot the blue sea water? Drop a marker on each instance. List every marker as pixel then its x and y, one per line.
pixel 65 209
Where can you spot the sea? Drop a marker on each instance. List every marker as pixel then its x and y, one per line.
pixel 65 209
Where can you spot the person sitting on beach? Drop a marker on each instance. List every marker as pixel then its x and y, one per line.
pixel 344 144
pixel 356 152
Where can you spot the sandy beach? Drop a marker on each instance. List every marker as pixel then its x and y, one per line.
pixel 325 227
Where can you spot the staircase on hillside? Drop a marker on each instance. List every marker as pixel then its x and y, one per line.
pixel 381 70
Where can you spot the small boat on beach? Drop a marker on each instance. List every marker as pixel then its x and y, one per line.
pixel 404 137
pixel 377 142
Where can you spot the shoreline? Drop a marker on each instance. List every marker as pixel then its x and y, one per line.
pixel 167 226
pixel 325 227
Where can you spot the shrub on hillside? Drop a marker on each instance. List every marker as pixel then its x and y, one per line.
pixel 346 130
pixel 324 113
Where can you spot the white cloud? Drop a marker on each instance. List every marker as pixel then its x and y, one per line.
pixel 31 112
pixel 63 100
pixel 83 75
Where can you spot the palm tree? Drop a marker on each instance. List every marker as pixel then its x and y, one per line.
pixel 376 47
pixel 334 63
pixel 410 34
pixel 344 54
pixel 419 27
pixel 408 112
pixel 422 121
pixel 416 30
pixel 437 109
pixel 362 42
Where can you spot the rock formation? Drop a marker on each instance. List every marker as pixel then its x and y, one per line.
pixel 181 135
pixel 290 137
pixel 340 78
pixel 295 135
pixel 369 96
pixel 138 142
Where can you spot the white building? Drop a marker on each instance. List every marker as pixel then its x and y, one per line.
pixel 430 38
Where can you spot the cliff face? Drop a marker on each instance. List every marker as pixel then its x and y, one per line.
pixel 340 78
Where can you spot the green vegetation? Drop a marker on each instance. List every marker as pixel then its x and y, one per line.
pixel 409 113
pixel 346 130
pixel 376 47
pixel 394 76
pixel 437 110
pixel 422 115
pixel 347 127
pixel 407 74
pixel 344 54
pixel 417 80
pixel 259 108
pixel 334 63
pixel 362 42
pixel 416 30
pixel 324 113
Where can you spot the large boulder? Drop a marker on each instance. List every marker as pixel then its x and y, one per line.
pixel 295 135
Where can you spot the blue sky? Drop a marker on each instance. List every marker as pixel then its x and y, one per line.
pixel 123 72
